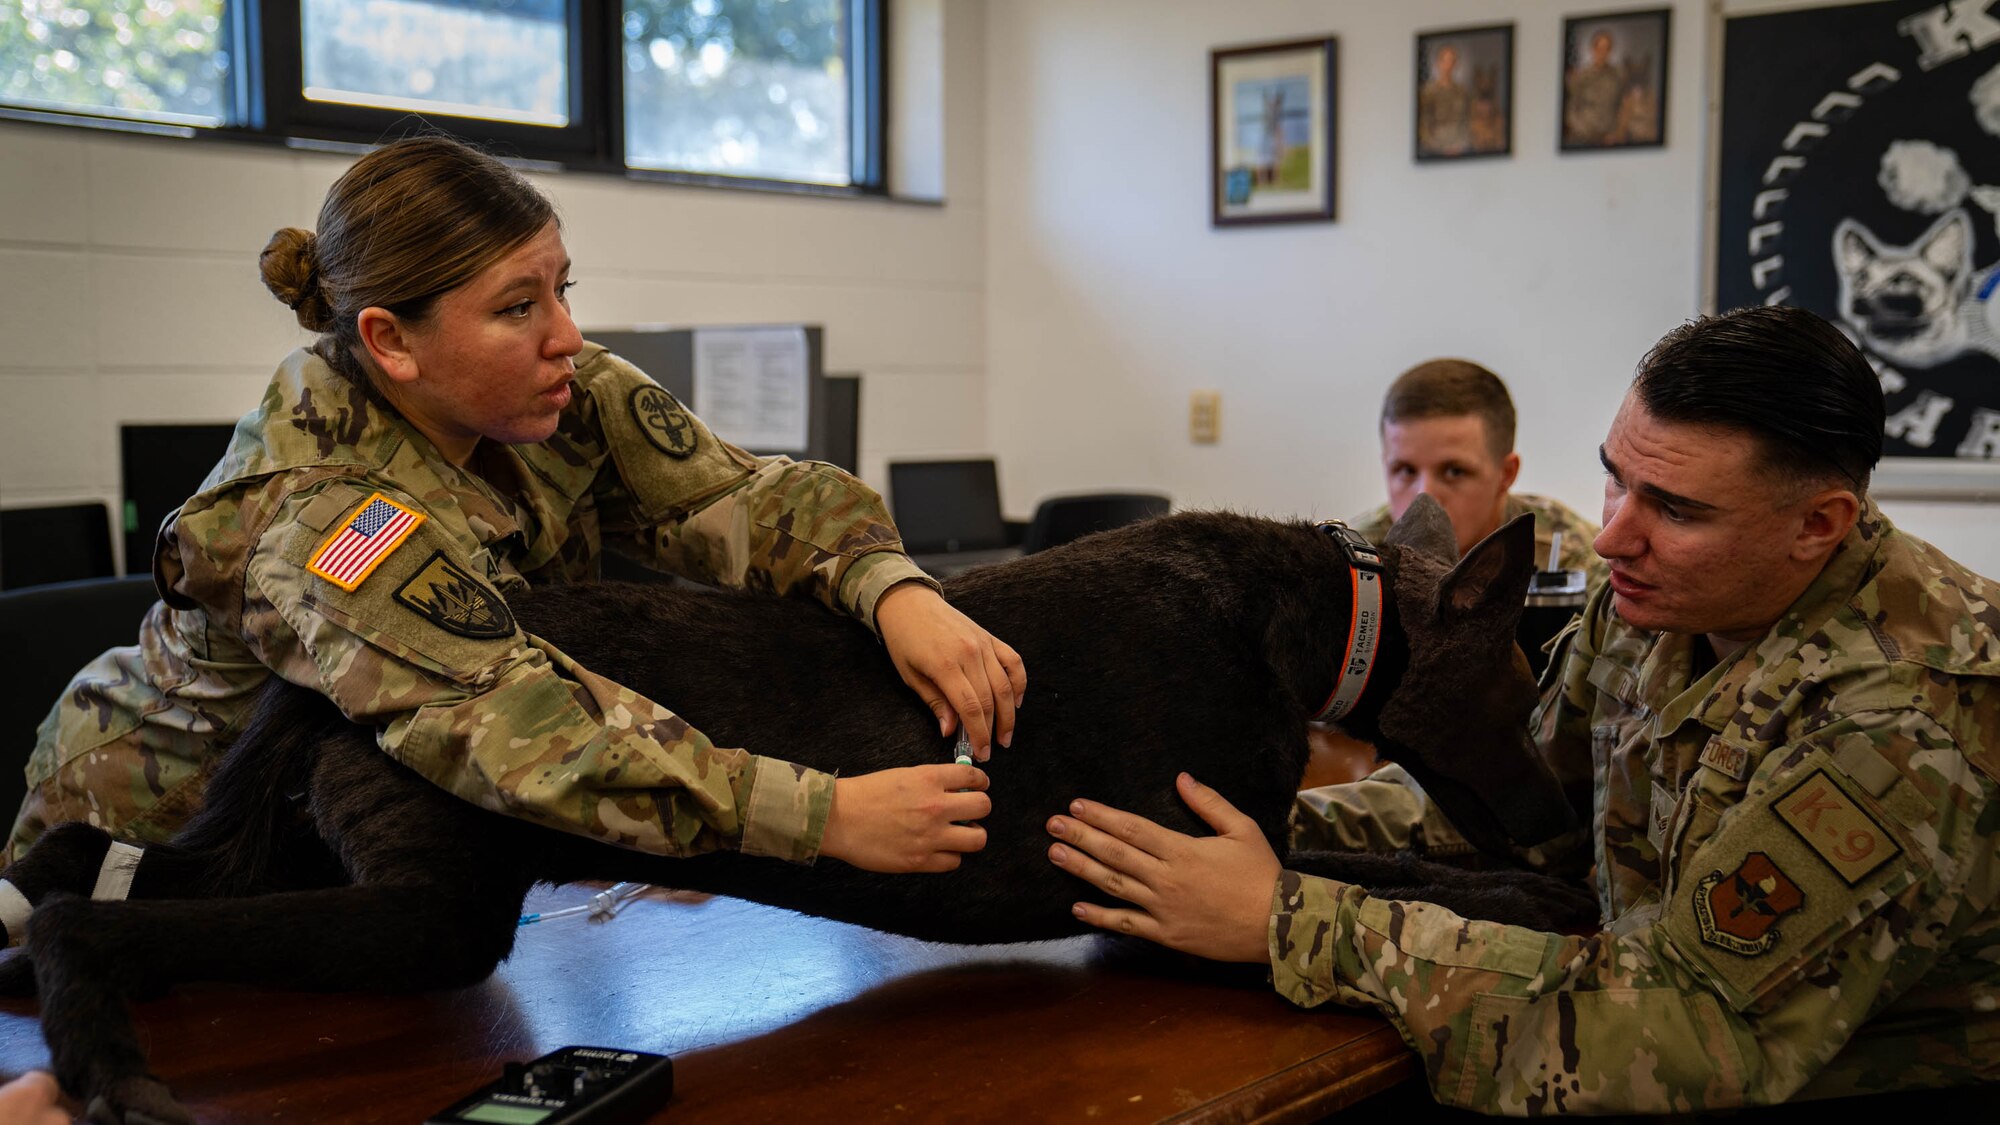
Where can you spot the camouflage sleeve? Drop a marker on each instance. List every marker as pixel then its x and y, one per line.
pixel 687 502
pixel 1816 902
pixel 409 639
pixel 1386 811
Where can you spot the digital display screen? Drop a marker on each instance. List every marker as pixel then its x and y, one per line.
pixel 500 1113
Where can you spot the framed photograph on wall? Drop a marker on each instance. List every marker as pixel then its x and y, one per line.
pixel 1614 92
pixel 1465 93
pixel 1271 130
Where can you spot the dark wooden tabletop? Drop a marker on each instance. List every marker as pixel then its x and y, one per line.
pixel 770 1015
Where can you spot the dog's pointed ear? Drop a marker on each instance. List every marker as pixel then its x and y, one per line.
pixel 1853 246
pixel 1424 529
pixel 1494 573
pixel 1948 244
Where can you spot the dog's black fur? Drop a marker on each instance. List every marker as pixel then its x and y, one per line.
pixel 1199 642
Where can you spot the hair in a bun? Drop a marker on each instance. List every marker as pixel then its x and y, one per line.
pixel 290 267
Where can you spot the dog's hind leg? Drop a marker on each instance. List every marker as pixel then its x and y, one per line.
pixel 437 892
pixel 90 956
pixel 77 858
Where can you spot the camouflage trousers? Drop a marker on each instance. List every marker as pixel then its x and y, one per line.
pixel 132 791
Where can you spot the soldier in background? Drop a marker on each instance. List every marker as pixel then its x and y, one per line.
pixel 452 440
pixel 1783 715
pixel 1447 430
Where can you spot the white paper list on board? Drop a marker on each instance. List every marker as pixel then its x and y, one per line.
pixel 750 386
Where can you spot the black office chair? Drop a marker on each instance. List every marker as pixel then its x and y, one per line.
pixel 53 631
pixel 1059 519
pixel 56 543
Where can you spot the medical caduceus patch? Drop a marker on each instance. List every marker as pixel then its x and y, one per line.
pixel 665 423
pixel 1739 911
pixel 455 601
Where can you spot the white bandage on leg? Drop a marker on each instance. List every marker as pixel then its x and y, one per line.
pixel 114 879
pixel 14 911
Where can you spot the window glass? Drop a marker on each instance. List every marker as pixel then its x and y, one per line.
pixel 151 60
pixel 755 88
pixel 501 60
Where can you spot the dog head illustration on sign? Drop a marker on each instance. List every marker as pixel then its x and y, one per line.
pixel 1920 304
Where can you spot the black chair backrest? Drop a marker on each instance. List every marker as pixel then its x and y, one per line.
pixel 52 632
pixel 1060 519
pixel 58 543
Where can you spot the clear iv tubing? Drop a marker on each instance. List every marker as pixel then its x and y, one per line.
pixel 604 903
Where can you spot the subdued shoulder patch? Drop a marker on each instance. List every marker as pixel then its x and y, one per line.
pixel 664 421
pixel 363 540
pixel 444 594
pixel 1837 829
pixel 1740 911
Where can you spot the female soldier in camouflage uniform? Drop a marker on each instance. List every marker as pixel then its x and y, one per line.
pixel 451 440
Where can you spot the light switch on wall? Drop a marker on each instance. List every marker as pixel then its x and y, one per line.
pixel 1205 417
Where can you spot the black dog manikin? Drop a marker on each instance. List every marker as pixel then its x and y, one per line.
pixel 1201 642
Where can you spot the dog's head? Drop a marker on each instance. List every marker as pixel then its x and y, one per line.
pixel 1458 720
pixel 1904 300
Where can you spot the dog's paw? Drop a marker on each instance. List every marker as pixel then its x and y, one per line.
pixel 17 975
pixel 66 859
pixel 139 1099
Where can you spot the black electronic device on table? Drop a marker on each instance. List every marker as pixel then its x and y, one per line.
pixel 598 1085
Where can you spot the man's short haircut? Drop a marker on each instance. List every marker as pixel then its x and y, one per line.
pixel 1454 388
pixel 1784 375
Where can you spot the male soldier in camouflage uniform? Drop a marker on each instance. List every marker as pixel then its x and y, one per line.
pixel 1784 717
pixel 424 643
pixel 1447 429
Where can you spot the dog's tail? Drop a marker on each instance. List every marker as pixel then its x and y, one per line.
pixel 253 834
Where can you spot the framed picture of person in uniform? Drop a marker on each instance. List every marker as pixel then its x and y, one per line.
pixel 1271 129
pixel 1614 92
pixel 1465 93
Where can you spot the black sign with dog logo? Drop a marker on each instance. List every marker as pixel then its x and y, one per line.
pixel 1860 178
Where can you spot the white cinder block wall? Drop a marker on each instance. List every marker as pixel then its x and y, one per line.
pixel 1055 311
pixel 129 287
pixel 1110 298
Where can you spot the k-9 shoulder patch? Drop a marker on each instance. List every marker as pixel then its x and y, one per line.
pixel 664 421
pixel 455 601
pixel 1837 829
pixel 362 541
pixel 1740 911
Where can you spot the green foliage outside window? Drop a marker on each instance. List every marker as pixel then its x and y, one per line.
pixel 159 60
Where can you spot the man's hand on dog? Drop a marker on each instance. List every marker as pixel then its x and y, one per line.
pixel 961 671
pixel 1209 896
pixel 904 820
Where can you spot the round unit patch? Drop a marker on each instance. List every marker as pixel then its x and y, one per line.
pixel 664 421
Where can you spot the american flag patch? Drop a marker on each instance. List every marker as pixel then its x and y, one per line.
pixel 379 527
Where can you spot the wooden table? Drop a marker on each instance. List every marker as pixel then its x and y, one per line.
pixel 772 1016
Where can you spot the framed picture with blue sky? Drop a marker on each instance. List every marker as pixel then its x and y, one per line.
pixel 1271 130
